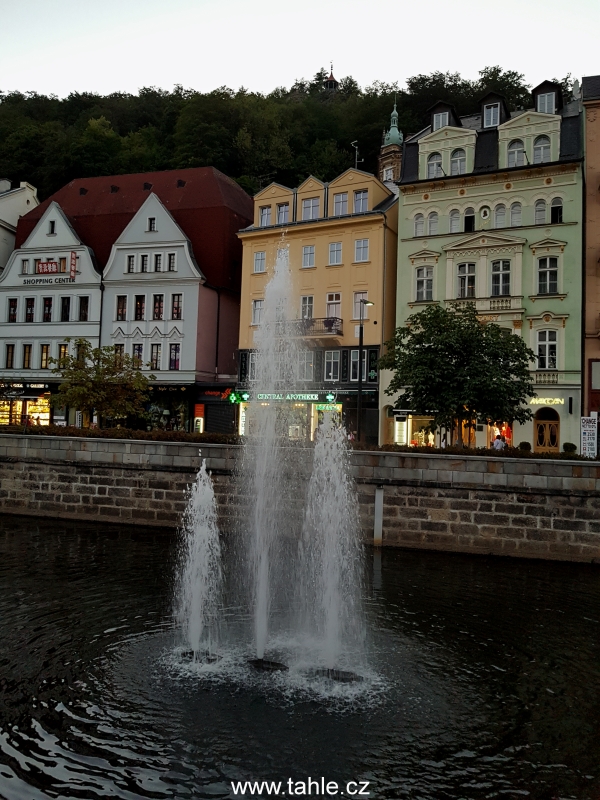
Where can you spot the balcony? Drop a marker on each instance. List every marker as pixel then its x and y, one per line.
pixel 327 326
pixel 482 304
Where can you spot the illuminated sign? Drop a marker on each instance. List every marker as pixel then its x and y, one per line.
pixel 326 398
pixel 73 265
pixel 337 407
pixel 46 267
pixel 547 401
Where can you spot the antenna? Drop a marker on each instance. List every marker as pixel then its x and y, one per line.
pixel 357 160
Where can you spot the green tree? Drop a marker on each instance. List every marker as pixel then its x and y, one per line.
pixel 452 367
pixel 103 381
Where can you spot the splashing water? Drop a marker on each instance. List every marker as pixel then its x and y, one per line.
pixel 199 595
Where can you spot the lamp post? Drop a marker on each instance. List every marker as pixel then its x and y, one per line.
pixel 362 303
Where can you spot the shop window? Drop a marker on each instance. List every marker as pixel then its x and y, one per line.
pixel 424 284
pixel 500 278
pixel 548 275
pixel 546 350
pixel 332 365
pixel 466 280
pixel 556 211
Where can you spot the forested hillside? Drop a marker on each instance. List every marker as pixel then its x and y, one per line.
pixel 254 138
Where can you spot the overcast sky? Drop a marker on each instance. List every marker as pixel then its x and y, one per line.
pixel 121 45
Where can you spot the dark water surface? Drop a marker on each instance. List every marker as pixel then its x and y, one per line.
pixel 486 681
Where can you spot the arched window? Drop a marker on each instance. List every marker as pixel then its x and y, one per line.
pixel 540 212
pixel 548 275
pixel 424 283
pixel 434 166
pixel 455 221
pixel 500 216
pixel 515 215
pixel 516 153
pixel 469 220
pixel 556 210
pixel 500 278
pixel 546 351
pixel 541 150
pixel 419 224
pixel 432 223
pixel 458 162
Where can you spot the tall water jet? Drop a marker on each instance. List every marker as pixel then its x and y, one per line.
pixel 199 592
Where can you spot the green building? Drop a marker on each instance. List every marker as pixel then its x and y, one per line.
pixel 490 213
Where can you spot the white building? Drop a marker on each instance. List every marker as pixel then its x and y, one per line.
pixel 14 203
pixel 49 293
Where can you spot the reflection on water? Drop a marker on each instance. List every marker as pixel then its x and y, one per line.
pixel 484 680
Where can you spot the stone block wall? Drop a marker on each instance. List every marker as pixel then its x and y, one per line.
pixel 529 508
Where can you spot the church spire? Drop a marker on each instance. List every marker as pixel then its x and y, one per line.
pixel 394 135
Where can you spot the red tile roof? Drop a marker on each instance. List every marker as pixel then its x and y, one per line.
pixel 208 206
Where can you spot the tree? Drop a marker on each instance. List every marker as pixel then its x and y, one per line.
pixel 101 380
pixel 453 367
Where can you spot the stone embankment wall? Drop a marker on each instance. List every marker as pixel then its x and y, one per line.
pixel 529 508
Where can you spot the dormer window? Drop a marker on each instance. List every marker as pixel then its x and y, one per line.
pixel 152 223
pixel 440 120
pixel 434 166
pixel 458 162
pixel 52 228
pixel 361 198
pixel 264 216
pixel 541 150
pixel 491 115
pixel 388 174
pixel 516 153
pixel 546 103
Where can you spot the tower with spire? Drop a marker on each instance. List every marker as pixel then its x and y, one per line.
pixel 390 153
pixel 331 84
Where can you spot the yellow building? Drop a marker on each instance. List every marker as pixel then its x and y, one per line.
pixel 342 239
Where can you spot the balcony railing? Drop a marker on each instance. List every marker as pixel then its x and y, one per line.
pixel 482 304
pixel 327 326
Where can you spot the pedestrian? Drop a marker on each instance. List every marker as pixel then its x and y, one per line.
pixel 498 443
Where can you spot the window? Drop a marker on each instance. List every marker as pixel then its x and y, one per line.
pixel 306 306
pixel 155 356
pixel 29 309
pixel 540 212
pixel 158 306
pixel 458 162
pixel 264 216
pixel 144 263
pixel 26 356
pixel 305 365
pixel 65 309
pixel 12 309
pixel 176 306
pixel 358 296
pixel 151 223
pixel 158 262
pixel 354 365
pixel 52 228
pixel 119 353
pixel 47 310
pixel 466 280
pixel 545 103
pixel 541 150
pixel 257 309
pixel 424 283
pixel 335 252
pixel 500 278
pixel 334 304
pixel 516 153
pixel 434 166
pixel 469 220
pixel 548 275
pixel 308 255
pixel 44 356
pixel 130 263
pixel 332 365
pixel 361 198
pixel 455 221
pixel 491 115
pixel 36 265
pixel 171 262
pixel 260 261
pixel 63 354
pixel 432 223
pixel 546 350
pixel 310 208
pixel 340 204
pixel 361 250
pixel 122 307
pixel 440 120
pixel 388 174
pixel 515 215
pixel 62 265
pixel 419 225
pixel 24 266
pixel 251 366
pixel 500 216
pixel 283 213
pixel 84 308
pixel 140 307
pixel 174 353
pixel 10 356
pixel 556 211
pixel 138 352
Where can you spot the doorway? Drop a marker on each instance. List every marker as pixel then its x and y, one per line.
pixel 546 428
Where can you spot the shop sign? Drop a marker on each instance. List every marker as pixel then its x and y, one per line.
pixel 198 410
pixel 283 397
pixel 47 267
pixel 73 265
pixel 217 394
pixel 547 401
pixel 337 407
pixel 45 281
pixel 589 436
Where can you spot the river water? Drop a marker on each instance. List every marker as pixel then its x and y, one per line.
pixel 483 681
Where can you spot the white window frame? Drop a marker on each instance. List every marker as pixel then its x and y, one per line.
pixel 466 287
pixel 544 101
pixel 361 201
pixel 308 256
pixel 334 303
pixel 540 212
pixel 440 120
pixel 516 215
pixel 332 365
pixel 310 208
pixel 307 304
pixel 24 266
pixel 155 363
pixel 340 204
pixel 491 115
pixel 433 223
pixel 454 221
pixel 388 174
pixel 260 261
pixel 547 266
pixel 547 348
pixel 501 271
pixel 500 216
pixel 434 166
pixel 515 153
pixel 556 202
pixel 361 250
pixel 542 150
pixel 252 361
pixel 257 311
pixel 283 213
pixel 419 222
pixel 358 296
pixel 264 216
pixel 424 284
pixel 335 254
pixel 458 162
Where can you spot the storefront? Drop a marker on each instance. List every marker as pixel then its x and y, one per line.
pixel 169 408
pixel 214 411
pixel 25 404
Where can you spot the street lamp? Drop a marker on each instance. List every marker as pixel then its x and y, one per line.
pixel 362 304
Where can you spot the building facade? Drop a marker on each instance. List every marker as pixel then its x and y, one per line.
pixel 14 203
pixel 342 244
pixel 490 213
